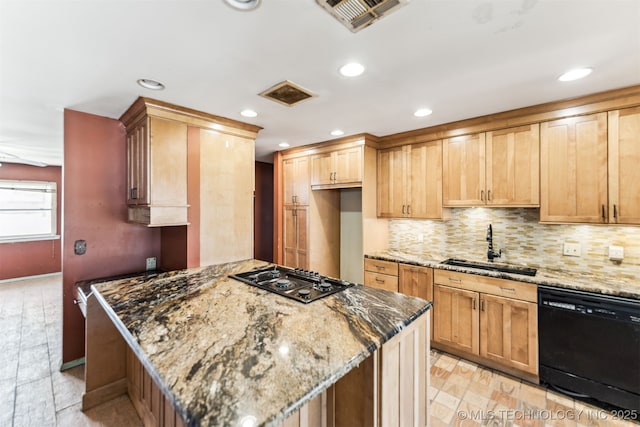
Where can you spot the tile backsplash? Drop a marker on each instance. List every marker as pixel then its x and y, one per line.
pixel 522 239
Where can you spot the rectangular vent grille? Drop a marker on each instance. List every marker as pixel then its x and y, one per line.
pixel 287 93
pixel 358 14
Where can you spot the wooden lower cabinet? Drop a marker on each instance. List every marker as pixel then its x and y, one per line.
pixel 381 274
pixel 456 318
pixel 418 282
pixel 496 330
pixel 509 332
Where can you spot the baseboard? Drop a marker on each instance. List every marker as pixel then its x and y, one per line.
pixel 37 276
pixel 72 364
pixel 104 394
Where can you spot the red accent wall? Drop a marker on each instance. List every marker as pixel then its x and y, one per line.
pixel 38 257
pixel 95 210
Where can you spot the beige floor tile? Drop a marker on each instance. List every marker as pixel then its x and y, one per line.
pixel 504 399
pixel 118 412
pixel 475 399
pixel 446 362
pixel 535 395
pixel 436 422
pixel 456 385
pixel 447 400
pixel 483 376
pixel 7 399
pixel 432 392
pixel 34 404
pixel 468 414
pixel 441 412
pixel 558 398
pixel 33 364
pixel 68 387
pixel 481 389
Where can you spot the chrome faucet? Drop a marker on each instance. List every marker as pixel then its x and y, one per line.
pixel 491 254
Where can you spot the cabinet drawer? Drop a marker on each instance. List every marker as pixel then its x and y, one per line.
pixel 381 281
pixel 383 267
pixel 488 285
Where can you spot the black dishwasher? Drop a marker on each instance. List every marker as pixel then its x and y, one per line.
pixel 590 345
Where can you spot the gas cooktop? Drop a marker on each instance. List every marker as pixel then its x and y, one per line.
pixel 300 285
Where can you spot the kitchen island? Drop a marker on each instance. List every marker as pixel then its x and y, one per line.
pixel 218 352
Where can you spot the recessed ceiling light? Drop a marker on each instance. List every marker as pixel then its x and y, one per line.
pixel 575 74
pixel 243 4
pixel 283 145
pixel 352 69
pixel 150 84
pixel 337 132
pixel 248 113
pixel 422 112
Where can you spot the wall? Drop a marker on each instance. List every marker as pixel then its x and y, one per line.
pixel 21 259
pixel 263 212
pixel 94 189
pixel 351 261
pixel 522 239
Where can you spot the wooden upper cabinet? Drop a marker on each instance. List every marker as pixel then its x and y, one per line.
pixel 340 168
pixel 410 181
pixel 513 166
pixel 624 166
pixel 296 180
pixel 463 178
pixel 499 168
pixel 157 172
pixel 573 170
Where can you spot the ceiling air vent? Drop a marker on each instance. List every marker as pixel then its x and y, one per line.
pixel 287 93
pixel 358 14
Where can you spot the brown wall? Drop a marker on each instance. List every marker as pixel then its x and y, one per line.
pixel 95 210
pixel 263 213
pixel 31 258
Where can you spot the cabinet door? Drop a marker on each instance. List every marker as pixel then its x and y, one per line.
pixel 417 282
pixel 513 166
pixel 138 164
pixel 168 163
pixel 573 169
pixel 624 166
pixel 424 180
pixel 381 281
pixel 456 318
pixel 509 332
pixel 302 233
pixel 348 165
pixel 463 163
pixel 322 169
pixel 295 231
pixel 295 177
pixel 391 183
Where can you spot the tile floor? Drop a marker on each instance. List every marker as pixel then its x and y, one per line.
pixel 33 392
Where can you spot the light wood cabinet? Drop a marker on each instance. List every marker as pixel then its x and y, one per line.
pixel 418 282
pixel 508 332
pixel 296 231
pixel 337 169
pixel 157 171
pixel 573 170
pixel 456 318
pixel 381 274
pixel 488 320
pixel 499 168
pixel 410 181
pixel 296 182
pixel 624 166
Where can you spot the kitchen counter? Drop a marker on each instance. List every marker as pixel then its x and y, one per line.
pixel 225 352
pixel 589 282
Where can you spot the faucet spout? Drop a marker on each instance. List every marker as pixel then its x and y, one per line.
pixel 491 254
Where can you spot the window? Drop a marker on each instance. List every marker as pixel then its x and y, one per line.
pixel 27 210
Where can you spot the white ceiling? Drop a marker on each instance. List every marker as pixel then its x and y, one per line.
pixel 460 58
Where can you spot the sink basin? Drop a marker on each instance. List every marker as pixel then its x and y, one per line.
pixel 503 268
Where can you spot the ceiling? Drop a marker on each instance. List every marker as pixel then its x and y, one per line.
pixel 460 58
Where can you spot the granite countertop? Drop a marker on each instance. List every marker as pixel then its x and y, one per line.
pixel 588 282
pixel 227 353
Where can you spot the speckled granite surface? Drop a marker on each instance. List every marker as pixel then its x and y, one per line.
pixel 589 282
pixel 227 353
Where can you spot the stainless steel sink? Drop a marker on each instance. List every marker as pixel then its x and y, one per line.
pixel 503 268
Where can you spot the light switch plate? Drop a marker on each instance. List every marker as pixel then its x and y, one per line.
pixel 571 249
pixel 616 253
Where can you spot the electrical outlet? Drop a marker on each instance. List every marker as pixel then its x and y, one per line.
pixel 571 249
pixel 151 263
pixel 616 253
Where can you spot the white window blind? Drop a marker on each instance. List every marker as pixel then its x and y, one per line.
pixel 27 209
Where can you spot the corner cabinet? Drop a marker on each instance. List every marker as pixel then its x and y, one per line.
pixel 498 168
pixel 156 171
pixel 341 168
pixel 410 181
pixel 624 170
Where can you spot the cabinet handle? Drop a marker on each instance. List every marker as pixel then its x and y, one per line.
pixel 615 212
pixel 451 279
pixel 604 216
pixel 488 195
pixel 404 209
pixel 293 212
pixel 482 305
pixel 482 195
pixel 475 304
pixel 133 193
pixel 379 280
pixel 408 209
pixel 379 267
pixel 508 289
